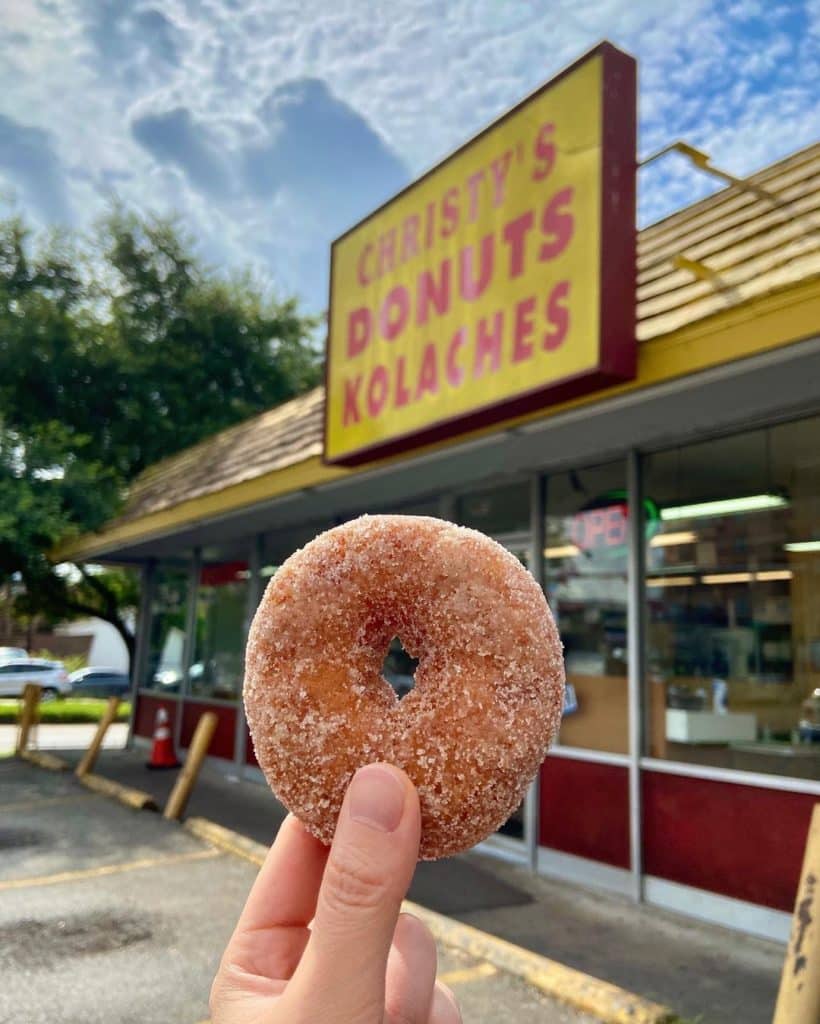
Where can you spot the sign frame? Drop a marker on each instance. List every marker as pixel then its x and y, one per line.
pixel 617 349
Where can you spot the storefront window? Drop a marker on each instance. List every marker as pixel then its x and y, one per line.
pixel 430 507
pixel 502 513
pixel 502 510
pixel 218 658
pixel 733 595
pixel 163 667
pixel 586 577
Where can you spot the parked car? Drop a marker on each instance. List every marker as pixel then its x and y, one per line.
pixel 12 653
pixel 51 675
pixel 99 682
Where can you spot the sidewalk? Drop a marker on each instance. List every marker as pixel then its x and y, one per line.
pixel 703 972
pixel 64 737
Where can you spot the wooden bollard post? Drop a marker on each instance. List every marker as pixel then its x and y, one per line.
pixel 90 756
pixel 203 734
pixel 28 716
pixel 798 1001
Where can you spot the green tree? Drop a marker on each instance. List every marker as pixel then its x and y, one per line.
pixel 116 351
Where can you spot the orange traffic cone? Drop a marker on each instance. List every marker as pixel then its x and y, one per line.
pixel 162 747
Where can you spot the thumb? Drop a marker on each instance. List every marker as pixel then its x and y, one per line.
pixel 371 862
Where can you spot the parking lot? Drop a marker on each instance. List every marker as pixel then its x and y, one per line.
pixel 108 914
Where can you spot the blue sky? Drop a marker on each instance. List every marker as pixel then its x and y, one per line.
pixel 270 126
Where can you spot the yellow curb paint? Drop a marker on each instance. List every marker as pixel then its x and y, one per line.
pixel 44 760
pixel 125 794
pixel 34 805
pixel 228 840
pixel 106 869
pixel 467 974
pixel 609 1003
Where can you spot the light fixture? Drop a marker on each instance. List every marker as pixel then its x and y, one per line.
pixel 669 540
pixel 268 570
pixel 671 581
pixel 724 507
pixel 719 577
pixel 565 551
pixel 803 545
pixel 728 577
pixel 747 577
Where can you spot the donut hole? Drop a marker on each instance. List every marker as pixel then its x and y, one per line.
pixel 399 668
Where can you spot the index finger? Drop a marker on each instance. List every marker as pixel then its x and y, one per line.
pixel 272 930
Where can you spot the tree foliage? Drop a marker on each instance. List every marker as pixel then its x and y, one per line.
pixel 116 351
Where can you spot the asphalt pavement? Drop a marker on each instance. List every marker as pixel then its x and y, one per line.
pixel 704 972
pixel 109 914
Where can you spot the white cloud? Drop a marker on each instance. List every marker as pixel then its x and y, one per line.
pixel 736 79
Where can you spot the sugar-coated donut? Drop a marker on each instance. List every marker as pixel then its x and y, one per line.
pixel 488 690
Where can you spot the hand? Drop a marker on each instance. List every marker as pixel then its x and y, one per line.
pixel 360 962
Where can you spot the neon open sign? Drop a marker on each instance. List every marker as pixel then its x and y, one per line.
pixel 598 528
pixel 603 525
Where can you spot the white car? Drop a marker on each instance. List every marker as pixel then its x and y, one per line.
pixel 50 675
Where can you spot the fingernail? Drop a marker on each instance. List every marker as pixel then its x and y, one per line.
pixel 376 798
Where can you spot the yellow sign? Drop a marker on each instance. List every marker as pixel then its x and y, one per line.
pixel 501 281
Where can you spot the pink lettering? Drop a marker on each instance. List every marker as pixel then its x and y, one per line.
pixel 351 407
pixel 488 345
pixel 359 328
pixel 394 312
pixel 429 224
pixel 361 270
pixel 428 375
pixel 544 152
pixel 387 251
pixel 473 183
pixel 402 391
pixel 377 391
pixel 515 234
pixel 472 286
pixel 455 373
pixel 557 316
pixel 410 237
pixel 557 224
pixel 432 292
pixel 449 212
pixel 522 349
pixel 500 168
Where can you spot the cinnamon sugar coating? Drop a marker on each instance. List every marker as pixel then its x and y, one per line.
pixel 488 690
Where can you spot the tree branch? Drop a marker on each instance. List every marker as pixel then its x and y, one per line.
pixel 108 598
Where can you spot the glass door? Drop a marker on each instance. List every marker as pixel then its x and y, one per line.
pixel 515 832
pixel 503 513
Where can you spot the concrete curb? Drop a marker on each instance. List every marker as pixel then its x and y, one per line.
pixel 602 1000
pixel 134 798
pixel 226 839
pixel 44 760
pixel 608 1003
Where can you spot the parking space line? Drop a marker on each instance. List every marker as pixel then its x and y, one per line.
pixel 464 975
pixel 107 869
pixel 32 805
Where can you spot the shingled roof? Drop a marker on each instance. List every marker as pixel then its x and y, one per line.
pixel 273 440
pixel 736 245
pixel 749 243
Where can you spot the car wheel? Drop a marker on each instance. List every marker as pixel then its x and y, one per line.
pixel 49 693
